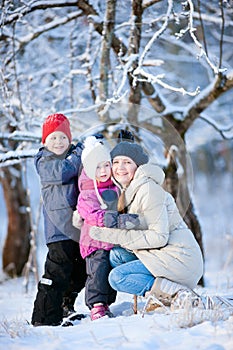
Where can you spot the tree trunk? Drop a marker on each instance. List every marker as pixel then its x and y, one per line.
pixel 108 29
pixel 134 46
pixel 17 244
pixel 178 187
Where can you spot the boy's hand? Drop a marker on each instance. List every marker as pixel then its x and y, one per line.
pixel 77 150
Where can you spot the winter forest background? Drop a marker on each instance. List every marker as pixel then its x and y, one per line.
pixel 162 69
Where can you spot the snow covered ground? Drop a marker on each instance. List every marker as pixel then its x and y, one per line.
pixel 160 330
pixel 183 329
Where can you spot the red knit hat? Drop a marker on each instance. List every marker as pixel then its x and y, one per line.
pixel 56 122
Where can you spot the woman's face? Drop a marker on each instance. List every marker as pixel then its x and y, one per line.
pixel 123 169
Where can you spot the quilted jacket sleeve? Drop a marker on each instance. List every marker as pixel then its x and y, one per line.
pixel 153 211
pixel 89 209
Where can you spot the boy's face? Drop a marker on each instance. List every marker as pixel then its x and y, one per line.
pixel 57 142
pixel 103 171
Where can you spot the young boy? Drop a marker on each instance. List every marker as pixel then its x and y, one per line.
pixel 58 164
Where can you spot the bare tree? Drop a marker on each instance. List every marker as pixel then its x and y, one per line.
pixel 105 67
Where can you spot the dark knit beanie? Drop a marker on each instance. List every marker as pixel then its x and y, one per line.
pixel 131 150
pixel 56 122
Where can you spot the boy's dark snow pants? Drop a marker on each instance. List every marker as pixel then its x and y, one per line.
pixel 64 276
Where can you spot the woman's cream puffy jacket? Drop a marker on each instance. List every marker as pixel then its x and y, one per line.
pixel 163 242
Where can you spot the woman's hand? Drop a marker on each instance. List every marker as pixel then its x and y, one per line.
pixel 113 219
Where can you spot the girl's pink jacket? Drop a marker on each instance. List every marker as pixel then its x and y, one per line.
pixel 89 209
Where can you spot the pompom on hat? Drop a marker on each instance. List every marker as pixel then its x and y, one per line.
pixel 131 150
pixel 56 122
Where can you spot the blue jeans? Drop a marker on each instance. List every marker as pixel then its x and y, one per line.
pixel 129 275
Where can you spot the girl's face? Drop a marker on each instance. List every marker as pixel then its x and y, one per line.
pixel 123 169
pixel 57 142
pixel 103 171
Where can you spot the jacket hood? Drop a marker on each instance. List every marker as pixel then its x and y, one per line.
pixel 144 174
pixel 152 171
pixel 84 182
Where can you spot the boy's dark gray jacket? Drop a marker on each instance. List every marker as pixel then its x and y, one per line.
pixel 59 189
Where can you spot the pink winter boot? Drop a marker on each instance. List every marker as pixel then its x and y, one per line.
pixel 100 310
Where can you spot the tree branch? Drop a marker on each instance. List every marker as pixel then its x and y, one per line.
pixel 222 34
pixel 41 30
pixel 221 84
pixel 34 6
pixel 220 130
pixel 149 3
pixel 13 157
pixel 202 26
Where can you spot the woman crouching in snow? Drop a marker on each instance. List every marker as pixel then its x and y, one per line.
pixel 161 257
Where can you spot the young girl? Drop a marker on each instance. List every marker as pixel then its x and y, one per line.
pixel 98 197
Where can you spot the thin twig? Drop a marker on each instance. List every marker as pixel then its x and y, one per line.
pixel 222 34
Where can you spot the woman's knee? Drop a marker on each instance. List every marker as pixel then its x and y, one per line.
pixel 120 256
pixel 115 278
pixel 115 257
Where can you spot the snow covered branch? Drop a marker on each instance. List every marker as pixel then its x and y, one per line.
pixel 23 41
pixel 191 29
pixel 13 157
pixel 220 85
pixel 158 80
pixel 32 6
pixel 20 136
pixel 156 34
pixel 149 3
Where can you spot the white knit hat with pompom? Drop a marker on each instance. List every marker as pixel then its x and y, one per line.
pixel 94 152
